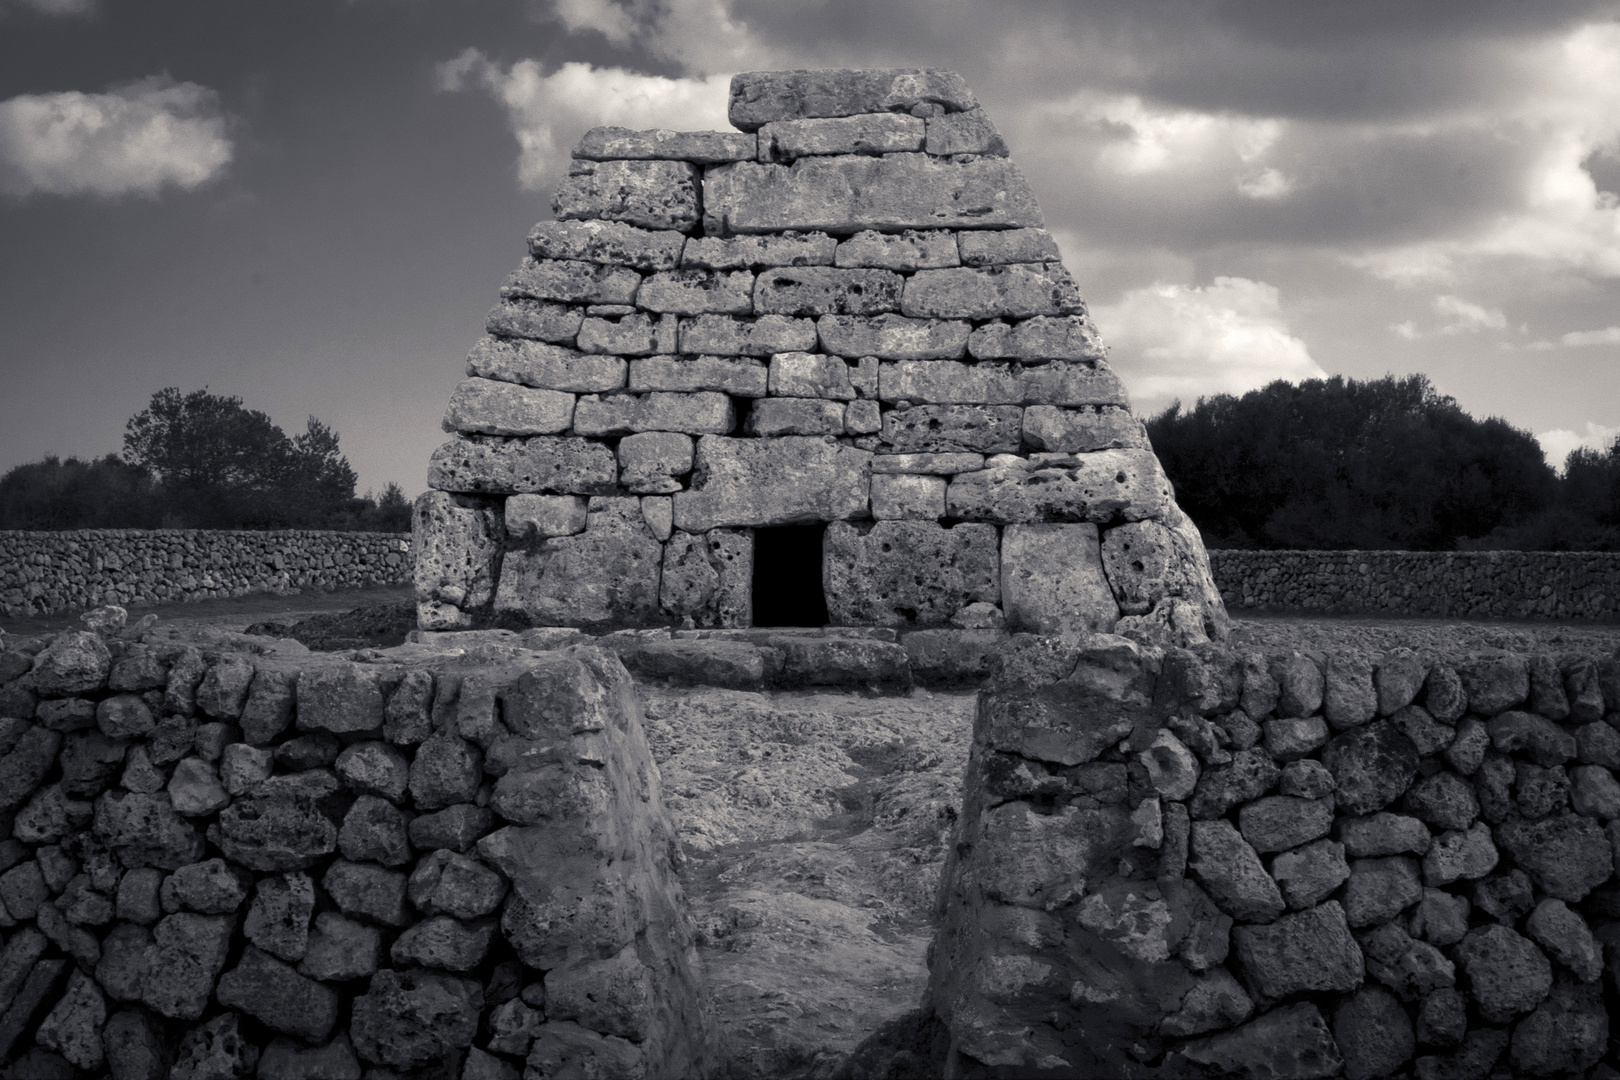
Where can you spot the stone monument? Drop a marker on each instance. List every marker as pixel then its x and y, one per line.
pixel 832 356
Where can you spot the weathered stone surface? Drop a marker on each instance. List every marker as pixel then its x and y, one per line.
pixel 286 1059
pixel 908 573
pixel 455 827
pixel 496 465
pixel 457 885
pixel 1215 1001
pixel 620 414
pixel 1251 774
pixel 1052 579
pixel 443 942
pixel 1049 429
pixel 1226 866
pixel 1099 487
pixel 1397 679
pixel 951 429
pixel 735 375
pixel 214 1050
pixel 1280 822
pixel 25 765
pixel 529 517
pixel 1412 969
pixel 1291 738
pixel 374 830
pixel 892 337
pixel 624 332
pixel 1308 875
pixel 1308 950
pixel 826 290
pixel 1537 792
pixel 316 750
pixel 1440 918
pixel 408 1018
pixel 610 242
pixel 775 416
pixel 810 375
pixel 1071 384
pixel 1597 743
pixel 572 282
pixel 880 133
pixel 1348 697
pixel 1039 340
pixel 72 662
pixel 650 194
pixel 502 408
pixel 1507 975
pixel 367 891
pixel 1443 800
pixel 50 817
pixel 771 249
pixel 540 320
pixel 696 292
pixel 761 97
pixel 945 382
pixel 73 1026
pixel 905 252
pixel 89 762
pixel 1429 735
pixel 144 830
pixel 1567 856
pixel 613 996
pixel 700 147
pixel 1442 1018
pixel 278 920
pixel 269 707
pixel 1494 681
pixel 1541 739
pixel 283 824
pixel 1594 792
pixel 188 953
pixel 1371 765
pixel 242 766
pixel 1505 897
pixel 1383 834
pixel 709 577
pixel 606 575
pixel 1013 291
pixel 1171 767
pixel 993 248
pixel 969 132
pixel 211 887
pixel 455 546
pixel 1467 750
pixel 264 987
pixel 742 482
pixel 195 789
pixel 1565 937
pixel 762 335
pixel 1380 889
pixel 1460 856
pixel 649 463
pixel 1293 1041
pixel 134 1047
pixel 340 949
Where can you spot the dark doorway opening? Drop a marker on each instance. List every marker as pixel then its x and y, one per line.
pixel 787 576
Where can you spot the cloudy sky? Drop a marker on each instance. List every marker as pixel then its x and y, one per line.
pixel 310 203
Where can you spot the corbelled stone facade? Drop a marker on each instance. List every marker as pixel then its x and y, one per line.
pixel 847 312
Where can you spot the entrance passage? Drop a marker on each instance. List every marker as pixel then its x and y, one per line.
pixel 787 576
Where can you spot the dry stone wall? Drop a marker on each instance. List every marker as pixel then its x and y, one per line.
pixel 42 572
pixel 1199 863
pixel 1452 584
pixel 845 312
pixel 227 861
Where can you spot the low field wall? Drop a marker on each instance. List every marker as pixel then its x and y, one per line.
pixel 42 572
pixel 1458 584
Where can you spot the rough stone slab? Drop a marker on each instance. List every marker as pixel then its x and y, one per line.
pixel 873 133
pixel 826 290
pixel 1052 580
pixel 761 336
pixel 1097 487
pixel 560 465
pixel 607 575
pixel 1017 291
pixel 1306 951
pixel 702 413
pixel 810 375
pixel 637 334
pixel 544 366
pixel 491 407
pixel 948 382
pixel 892 337
pixel 775 416
pixel 661 144
pixel 849 194
pixel 650 462
pixel 1293 1041
pixel 996 247
pixel 455 549
pixel 951 429
pixel 1064 337
pixel 571 281
pixel 544 515
pixel 753 252
pixel 908 573
pixel 863 418
pixel 902 496
pixel 266 988
pixel 709 577
pixel 697 292
pixel 906 252
pixel 760 97
pixel 752 483
pixel 927 464
pixel 651 194
pixel 1072 384
pixel 968 132
pixel 1050 429
pixel 611 242
pixel 739 376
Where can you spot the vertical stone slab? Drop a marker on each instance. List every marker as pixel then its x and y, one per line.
pixel 908 573
pixel 456 547
pixel 709 577
pixel 1052 580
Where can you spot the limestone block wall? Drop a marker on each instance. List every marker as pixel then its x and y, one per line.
pixel 42 572
pixel 1472 584
pixel 429 864
pixel 846 312
pixel 1203 863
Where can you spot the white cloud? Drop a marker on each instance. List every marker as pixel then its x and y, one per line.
pixel 132 140
pixel 701 35
pixel 1558 443
pixel 1463 317
pixel 1179 341
pixel 1609 335
pixel 548 113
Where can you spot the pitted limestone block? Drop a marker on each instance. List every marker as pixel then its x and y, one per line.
pixel 606 575
pixel 571 281
pixel 1072 384
pixel 862 418
pixel 760 97
pixel 946 382
pixel 1144 563
pixel 810 375
pixel 650 462
pixel 709 577
pixel 927 464
pixel 1033 341
pixel 892 337
pixel 488 407
pixel 907 573
pixel 905 252
pixel 950 429
pixel 1015 291
pixel 872 133
pixel 826 290
pixel 968 132
pixel 547 367
pixel 753 482
pixel 697 292
pixel 764 335
pixel 776 416
pixel 739 376
pixel 897 496
pixel 849 194
pixel 1050 429
pixel 1099 487
pixel 1052 580
pixel 542 320
pixel 651 194
pixel 610 242
pixel 498 465
pixel 543 516
pixel 455 550
pixel 699 147
pixel 659 514
pixel 702 413
pixel 628 334
pixel 742 252
pixel 1001 246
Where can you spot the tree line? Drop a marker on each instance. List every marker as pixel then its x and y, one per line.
pixel 201 461
pixel 1380 464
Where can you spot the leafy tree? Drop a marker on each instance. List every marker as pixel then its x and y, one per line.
pixel 103 493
